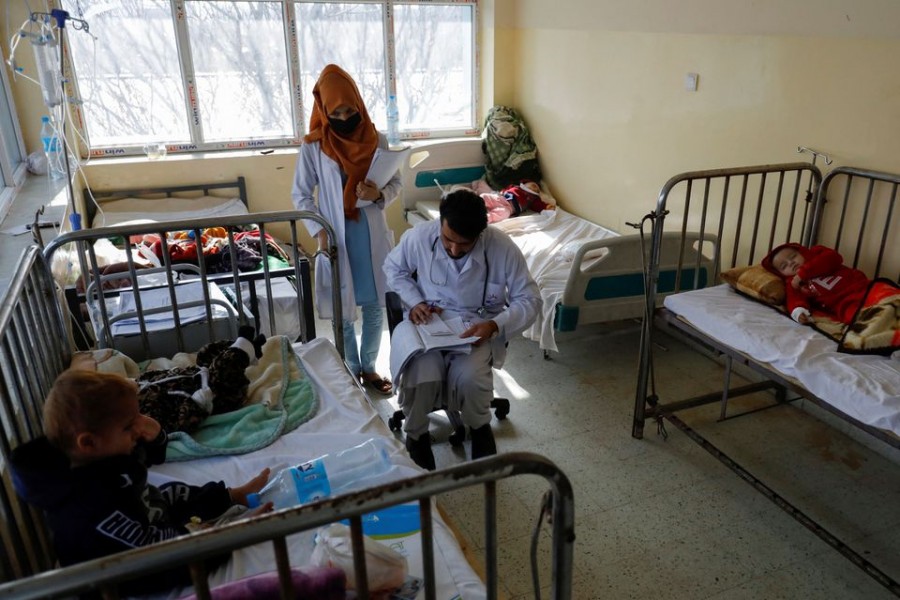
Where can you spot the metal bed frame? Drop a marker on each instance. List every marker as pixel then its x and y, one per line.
pixel 187 192
pixel 852 210
pixel 298 273
pixel 34 349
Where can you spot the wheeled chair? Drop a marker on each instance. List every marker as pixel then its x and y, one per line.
pixel 394 310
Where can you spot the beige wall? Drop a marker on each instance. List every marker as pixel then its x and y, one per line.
pixel 602 85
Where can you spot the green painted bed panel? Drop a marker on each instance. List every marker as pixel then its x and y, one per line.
pixel 632 284
pixel 426 179
pixel 622 286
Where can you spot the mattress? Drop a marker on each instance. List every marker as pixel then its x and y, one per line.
pixel 143 210
pixel 865 387
pixel 344 419
pixel 549 240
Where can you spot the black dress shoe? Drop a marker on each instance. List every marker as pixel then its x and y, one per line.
pixel 420 451
pixel 483 442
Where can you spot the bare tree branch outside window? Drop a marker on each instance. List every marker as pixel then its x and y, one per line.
pixel 135 78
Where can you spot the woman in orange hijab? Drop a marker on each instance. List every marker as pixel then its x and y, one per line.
pixel 335 157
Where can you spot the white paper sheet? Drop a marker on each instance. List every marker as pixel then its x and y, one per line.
pixel 410 339
pixel 385 165
pixel 865 387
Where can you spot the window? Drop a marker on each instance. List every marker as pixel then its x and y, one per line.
pixel 220 74
pixel 12 150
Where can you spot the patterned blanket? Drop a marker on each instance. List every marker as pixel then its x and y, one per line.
pixel 280 398
pixel 876 327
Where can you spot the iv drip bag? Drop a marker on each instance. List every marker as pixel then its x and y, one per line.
pixel 46 60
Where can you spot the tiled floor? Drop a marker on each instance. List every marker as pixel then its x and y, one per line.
pixel 662 518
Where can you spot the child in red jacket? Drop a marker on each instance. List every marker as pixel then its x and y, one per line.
pixel 816 278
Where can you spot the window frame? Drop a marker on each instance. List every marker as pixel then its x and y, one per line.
pixel 13 171
pixel 298 95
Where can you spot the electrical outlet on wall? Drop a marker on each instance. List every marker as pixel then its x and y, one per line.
pixel 691 81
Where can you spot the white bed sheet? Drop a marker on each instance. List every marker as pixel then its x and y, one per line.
pixel 345 418
pixel 548 240
pixel 865 387
pixel 141 210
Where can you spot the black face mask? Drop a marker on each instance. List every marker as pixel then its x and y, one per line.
pixel 343 127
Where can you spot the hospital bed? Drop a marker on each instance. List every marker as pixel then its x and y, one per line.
pixel 211 202
pixel 587 273
pixel 752 210
pixel 34 349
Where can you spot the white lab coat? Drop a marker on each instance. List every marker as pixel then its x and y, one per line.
pixel 495 275
pixel 314 169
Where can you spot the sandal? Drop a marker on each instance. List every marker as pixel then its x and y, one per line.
pixel 380 384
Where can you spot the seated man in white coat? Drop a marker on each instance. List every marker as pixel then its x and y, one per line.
pixel 458 267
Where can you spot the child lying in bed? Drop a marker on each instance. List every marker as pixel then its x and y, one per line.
pixel 514 200
pixel 816 278
pixel 181 398
pixel 89 474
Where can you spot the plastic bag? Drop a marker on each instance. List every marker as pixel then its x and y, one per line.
pixel 36 163
pixel 386 569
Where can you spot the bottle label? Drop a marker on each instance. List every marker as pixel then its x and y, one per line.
pixel 51 144
pixel 311 481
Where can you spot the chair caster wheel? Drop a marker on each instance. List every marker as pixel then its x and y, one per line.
pixel 458 437
pixel 395 421
pixel 501 408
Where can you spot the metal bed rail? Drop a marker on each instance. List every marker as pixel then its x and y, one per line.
pixel 298 273
pixel 94 198
pixel 749 210
pixel 858 217
pixel 105 574
pixel 854 211
pixel 33 351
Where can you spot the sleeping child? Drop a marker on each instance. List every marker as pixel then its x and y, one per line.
pixel 515 199
pixel 181 398
pixel 816 278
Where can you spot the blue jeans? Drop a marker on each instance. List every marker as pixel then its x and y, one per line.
pixel 362 359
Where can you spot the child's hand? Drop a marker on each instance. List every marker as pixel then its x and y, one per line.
pixel 260 510
pixel 796 282
pixel 239 494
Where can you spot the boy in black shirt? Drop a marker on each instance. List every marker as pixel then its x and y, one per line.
pixel 89 474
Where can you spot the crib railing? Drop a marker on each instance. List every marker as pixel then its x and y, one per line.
pixel 102 289
pixel 106 574
pixel 33 351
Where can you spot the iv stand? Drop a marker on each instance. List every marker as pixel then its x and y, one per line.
pixel 61 17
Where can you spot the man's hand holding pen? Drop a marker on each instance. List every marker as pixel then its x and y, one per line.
pixel 421 312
